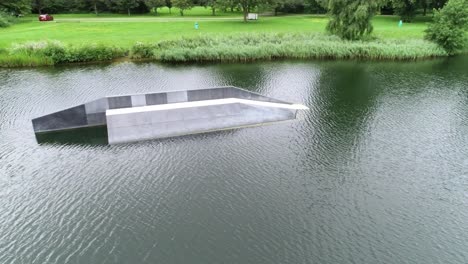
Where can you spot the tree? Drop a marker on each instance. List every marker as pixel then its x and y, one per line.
pixel 281 5
pixel 351 19
pixel 406 9
pixel 428 4
pixel 227 4
pixel 183 5
pixel 94 5
pixel 438 4
pixel 125 5
pixel 315 7
pixel 49 6
pixel 37 5
pixel 169 5
pixel 16 6
pixel 425 5
pixel 57 6
pixel 213 4
pixel 450 26
pixel 155 4
pixel 248 5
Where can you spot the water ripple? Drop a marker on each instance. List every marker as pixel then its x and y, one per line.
pixel 375 172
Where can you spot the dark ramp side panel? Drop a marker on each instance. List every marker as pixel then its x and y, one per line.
pixel 206 94
pixel 120 102
pixel 68 118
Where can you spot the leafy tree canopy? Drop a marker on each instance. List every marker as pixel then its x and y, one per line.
pixel 450 26
pixel 183 5
pixel 15 6
pixel 155 4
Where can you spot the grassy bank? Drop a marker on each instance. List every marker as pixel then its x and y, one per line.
pixel 124 30
pixel 236 47
pixel 171 38
pixel 250 47
pixel 45 53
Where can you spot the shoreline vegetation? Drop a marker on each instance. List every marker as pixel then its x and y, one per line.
pixel 273 46
pixel 244 47
pixel 31 43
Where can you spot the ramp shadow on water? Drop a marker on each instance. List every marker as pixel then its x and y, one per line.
pixel 80 136
pixel 95 136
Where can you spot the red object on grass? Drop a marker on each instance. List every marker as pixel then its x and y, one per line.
pixel 46 17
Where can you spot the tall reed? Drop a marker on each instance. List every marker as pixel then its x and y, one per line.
pixel 249 47
pixel 227 48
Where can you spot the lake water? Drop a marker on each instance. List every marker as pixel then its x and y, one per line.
pixel 375 172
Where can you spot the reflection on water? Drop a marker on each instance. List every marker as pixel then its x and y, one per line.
pixel 87 136
pixel 375 172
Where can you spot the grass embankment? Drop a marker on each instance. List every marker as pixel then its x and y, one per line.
pixel 125 31
pixel 167 37
pixel 54 52
pixel 261 46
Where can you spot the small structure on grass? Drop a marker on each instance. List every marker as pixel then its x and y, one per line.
pixel 252 16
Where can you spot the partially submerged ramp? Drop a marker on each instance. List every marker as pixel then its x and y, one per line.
pixel 157 115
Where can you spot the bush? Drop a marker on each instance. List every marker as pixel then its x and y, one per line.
pixel 34 47
pixel 24 60
pixel 449 26
pixel 55 51
pixel 250 47
pixel 59 53
pixel 225 48
pixel 92 52
pixel 5 20
pixel 142 51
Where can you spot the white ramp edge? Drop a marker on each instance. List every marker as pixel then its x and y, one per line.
pixel 203 103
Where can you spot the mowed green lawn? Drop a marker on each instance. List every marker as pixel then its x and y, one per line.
pixel 124 31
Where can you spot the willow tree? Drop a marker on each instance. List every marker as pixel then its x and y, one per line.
pixel 351 19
